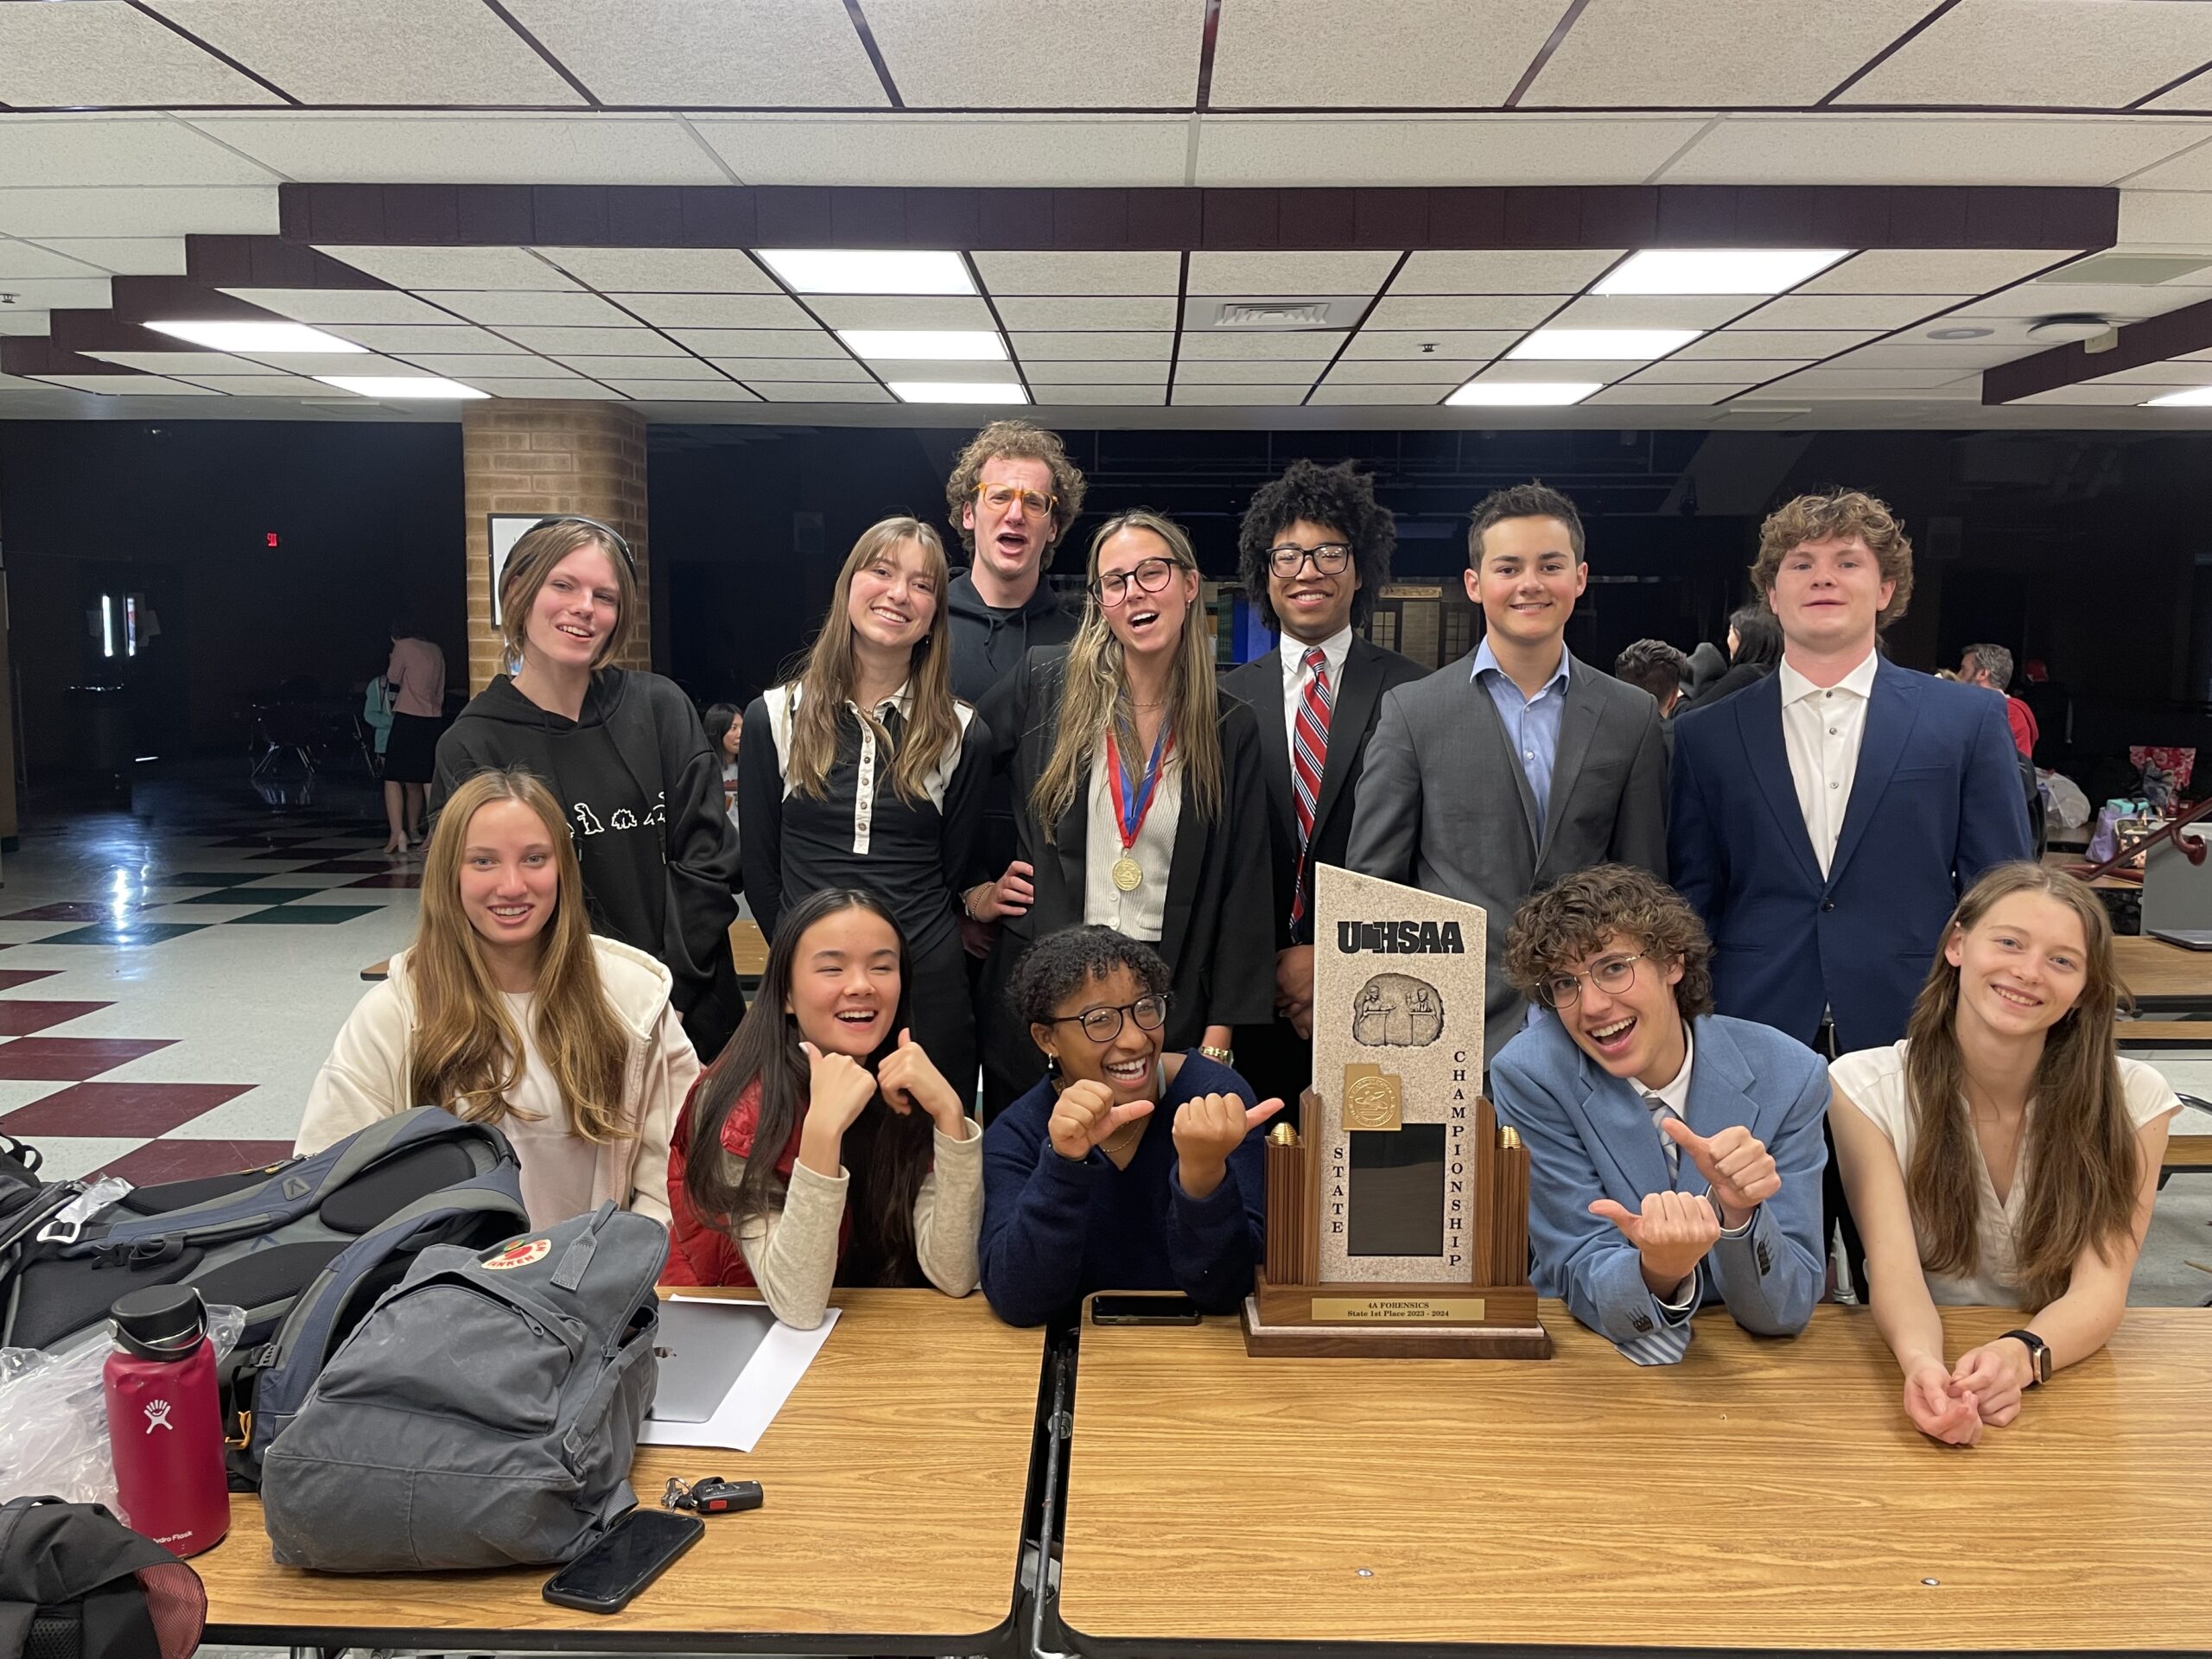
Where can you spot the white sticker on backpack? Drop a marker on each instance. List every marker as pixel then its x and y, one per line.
pixel 522 1255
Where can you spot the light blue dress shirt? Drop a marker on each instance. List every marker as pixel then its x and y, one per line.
pixel 1531 723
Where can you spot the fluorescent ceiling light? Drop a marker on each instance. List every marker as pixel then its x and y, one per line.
pixel 1478 393
pixel 926 345
pixel 958 391
pixel 256 339
pixel 1717 270
pixel 1603 344
pixel 844 270
pixel 2195 397
pixel 400 385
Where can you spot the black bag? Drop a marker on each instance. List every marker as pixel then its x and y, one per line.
pixel 75 1583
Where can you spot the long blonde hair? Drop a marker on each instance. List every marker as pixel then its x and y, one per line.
pixel 466 1054
pixel 2081 1160
pixel 1095 690
pixel 824 685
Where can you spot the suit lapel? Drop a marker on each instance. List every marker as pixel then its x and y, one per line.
pixel 1360 690
pixel 1578 724
pixel 1616 1127
pixel 1758 721
pixel 1721 1091
pixel 1275 745
pixel 1184 869
pixel 1890 712
pixel 1484 712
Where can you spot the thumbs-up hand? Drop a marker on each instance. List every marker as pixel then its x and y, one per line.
pixel 1085 1116
pixel 1736 1165
pixel 1207 1129
pixel 909 1079
pixel 1672 1235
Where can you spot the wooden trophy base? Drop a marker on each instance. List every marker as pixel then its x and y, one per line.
pixel 1377 1321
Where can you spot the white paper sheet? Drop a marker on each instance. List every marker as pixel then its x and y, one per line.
pixel 760 1389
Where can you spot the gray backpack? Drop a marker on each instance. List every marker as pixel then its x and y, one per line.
pixel 484 1413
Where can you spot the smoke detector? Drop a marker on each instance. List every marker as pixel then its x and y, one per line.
pixel 2068 326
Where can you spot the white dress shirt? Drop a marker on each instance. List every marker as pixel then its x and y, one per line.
pixel 1334 648
pixel 1822 729
pixel 1141 914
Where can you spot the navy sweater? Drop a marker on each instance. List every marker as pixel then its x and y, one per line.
pixel 1054 1229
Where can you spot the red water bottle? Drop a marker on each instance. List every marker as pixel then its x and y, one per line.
pixel 165 1420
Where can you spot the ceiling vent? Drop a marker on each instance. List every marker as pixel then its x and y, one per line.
pixel 2132 270
pixel 1264 314
pixel 1296 314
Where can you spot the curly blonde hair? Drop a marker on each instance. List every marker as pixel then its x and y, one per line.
pixel 1826 517
pixel 1578 914
pixel 1015 441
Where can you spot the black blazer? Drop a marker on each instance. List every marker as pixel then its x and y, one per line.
pixel 1368 671
pixel 1214 935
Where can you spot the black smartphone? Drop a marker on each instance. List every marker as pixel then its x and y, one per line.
pixel 637 1550
pixel 1171 1308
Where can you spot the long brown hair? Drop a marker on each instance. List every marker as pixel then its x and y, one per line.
pixel 2081 1159
pixel 532 560
pixel 1095 689
pixel 889 1155
pixel 932 734
pixel 466 1054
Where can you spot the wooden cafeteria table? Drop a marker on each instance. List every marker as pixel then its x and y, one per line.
pixel 1763 1494
pixel 2164 978
pixel 894 1476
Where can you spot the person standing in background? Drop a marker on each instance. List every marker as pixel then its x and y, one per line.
pixel 1992 666
pixel 725 724
pixel 416 677
pixel 1754 648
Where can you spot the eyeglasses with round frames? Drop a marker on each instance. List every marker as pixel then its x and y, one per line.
pixel 1330 558
pixel 1613 975
pixel 1104 1024
pixel 1150 576
pixel 1000 497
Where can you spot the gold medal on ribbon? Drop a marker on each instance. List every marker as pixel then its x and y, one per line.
pixel 1128 873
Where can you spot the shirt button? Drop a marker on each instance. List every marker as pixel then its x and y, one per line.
pixel 1835 785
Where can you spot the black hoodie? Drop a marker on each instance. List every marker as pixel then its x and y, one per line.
pixel 643 793
pixel 989 644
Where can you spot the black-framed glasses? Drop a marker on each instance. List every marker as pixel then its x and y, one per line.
pixel 1000 497
pixel 1330 558
pixel 1104 1024
pixel 1613 975
pixel 1150 576
pixel 615 538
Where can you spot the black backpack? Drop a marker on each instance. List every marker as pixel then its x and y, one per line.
pixel 75 1583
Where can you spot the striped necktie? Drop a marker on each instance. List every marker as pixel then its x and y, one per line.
pixel 1309 753
pixel 1668 1343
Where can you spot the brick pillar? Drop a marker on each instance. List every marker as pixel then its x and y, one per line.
pixel 529 455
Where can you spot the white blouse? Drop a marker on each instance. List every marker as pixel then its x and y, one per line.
pixel 1874 1080
pixel 1139 915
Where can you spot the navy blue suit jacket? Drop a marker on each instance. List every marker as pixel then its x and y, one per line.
pixel 1934 802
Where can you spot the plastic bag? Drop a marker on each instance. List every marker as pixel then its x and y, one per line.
pixel 54 1414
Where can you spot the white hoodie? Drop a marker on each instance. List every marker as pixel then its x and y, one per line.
pixel 365 1077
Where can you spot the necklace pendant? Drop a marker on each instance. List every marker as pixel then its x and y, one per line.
pixel 1128 874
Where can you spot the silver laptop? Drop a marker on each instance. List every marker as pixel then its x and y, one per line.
pixel 2177 897
pixel 702 1347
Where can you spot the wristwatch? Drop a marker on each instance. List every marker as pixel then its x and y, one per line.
pixel 2038 1355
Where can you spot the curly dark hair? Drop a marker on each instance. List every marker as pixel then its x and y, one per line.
pixel 1535 499
pixel 1336 497
pixel 1576 914
pixel 1656 667
pixel 1060 964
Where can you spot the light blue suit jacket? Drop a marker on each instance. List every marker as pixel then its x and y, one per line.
pixel 1590 1136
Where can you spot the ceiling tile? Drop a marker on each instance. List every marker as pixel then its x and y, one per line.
pixel 701 53
pixel 1291 345
pixel 1128 311
pixel 2190 171
pixel 42 213
pixel 195 365
pixel 124 255
pixel 313 363
pixel 953 371
pixel 1403 371
pixel 1931 271
pixel 821 391
pixel 1515 311
pixel 1927 149
pixel 1079 273
pixel 1652 311
pixel 1093 348
pixel 408 338
pixel 126 386
pixel 1104 374
pixel 924 149
pixel 264 385
pixel 51 293
pixel 1916 350
pixel 664 270
pixel 2111 299
pixel 808 341
pixel 2048 52
pixel 1559 270
pixel 1152 396
pixel 724 310
pixel 1333 391
pixel 749 368
pixel 1655 395
pixel 1186 393
pixel 1831 377
pixel 605 342
pixel 108 54
pixel 1306 54
pixel 1294 151
pixel 378 51
pixel 472 365
pixel 1290 273
pixel 499 309
pixel 576 388
pixel 25 259
pixel 1686 370
pixel 2194 93
pixel 1715 53
pixel 1773 342
pixel 89 150
pixel 949 53
pixel 901 310
pixel 346 307
pixel 640 368
pixel 717 390
pixel 1384 343
pixel 1207 371
pixel 13 320
pixel 1850 310
pixel 455 268
pixel 2088 395
pixel 396 148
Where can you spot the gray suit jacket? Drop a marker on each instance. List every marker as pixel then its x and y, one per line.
pixel 1444 807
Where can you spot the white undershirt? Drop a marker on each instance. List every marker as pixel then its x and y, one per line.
pixel 1821 730
pixel 1335 649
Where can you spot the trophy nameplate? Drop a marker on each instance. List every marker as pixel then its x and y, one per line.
pixel 1398 1225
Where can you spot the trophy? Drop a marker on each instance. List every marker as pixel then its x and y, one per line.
pixel 1398 1221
